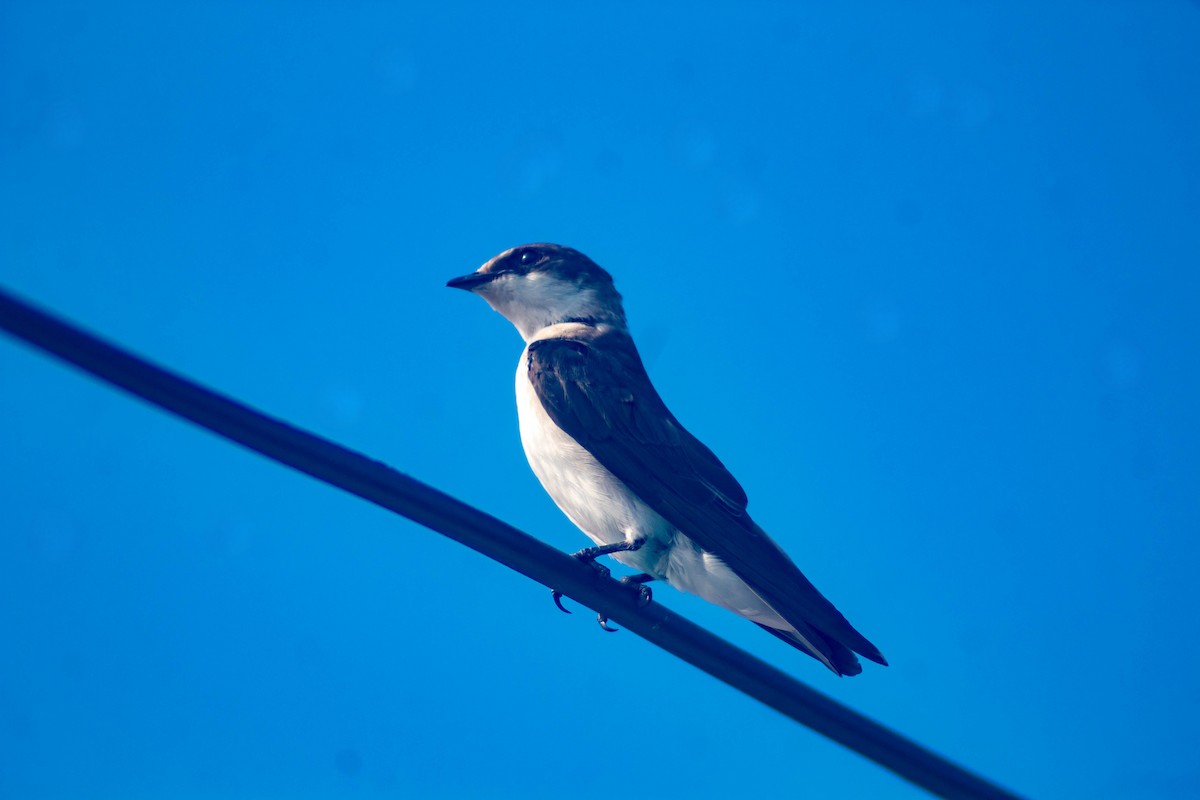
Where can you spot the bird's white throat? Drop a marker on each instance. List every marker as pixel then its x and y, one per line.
pixel 537 300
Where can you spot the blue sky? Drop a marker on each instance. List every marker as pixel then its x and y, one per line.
pixel 924 278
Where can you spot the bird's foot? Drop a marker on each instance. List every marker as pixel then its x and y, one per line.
pixel 588 555
pixel 644 596
pixel 643 591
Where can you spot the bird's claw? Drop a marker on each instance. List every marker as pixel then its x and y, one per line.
pixel 644 594
pixel 557 595
pixel 586 556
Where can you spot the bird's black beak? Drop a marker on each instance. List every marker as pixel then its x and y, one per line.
pixel 470 282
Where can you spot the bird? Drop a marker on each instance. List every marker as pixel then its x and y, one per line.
pixel 624 470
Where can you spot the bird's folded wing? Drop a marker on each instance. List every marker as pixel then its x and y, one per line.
pixel 598 392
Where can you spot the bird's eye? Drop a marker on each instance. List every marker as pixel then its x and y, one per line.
pixel 529 257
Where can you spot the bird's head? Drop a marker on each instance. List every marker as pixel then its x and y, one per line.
pixel 536 285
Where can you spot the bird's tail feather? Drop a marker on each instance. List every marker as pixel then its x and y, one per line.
pixel 809 611
pixel 830 652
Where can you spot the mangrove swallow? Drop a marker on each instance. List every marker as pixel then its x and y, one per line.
pixel 623 469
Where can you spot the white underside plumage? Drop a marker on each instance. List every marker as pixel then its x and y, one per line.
pixel 608 512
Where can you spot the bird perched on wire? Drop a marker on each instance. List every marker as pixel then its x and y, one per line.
pixel 624 470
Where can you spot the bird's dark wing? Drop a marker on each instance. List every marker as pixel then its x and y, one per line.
pixel 598 392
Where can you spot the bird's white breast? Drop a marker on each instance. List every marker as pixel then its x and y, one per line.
pixel 591 496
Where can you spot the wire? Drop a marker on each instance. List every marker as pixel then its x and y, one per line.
pixel 384 486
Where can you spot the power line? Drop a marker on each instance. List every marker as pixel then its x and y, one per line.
pixel 384 486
